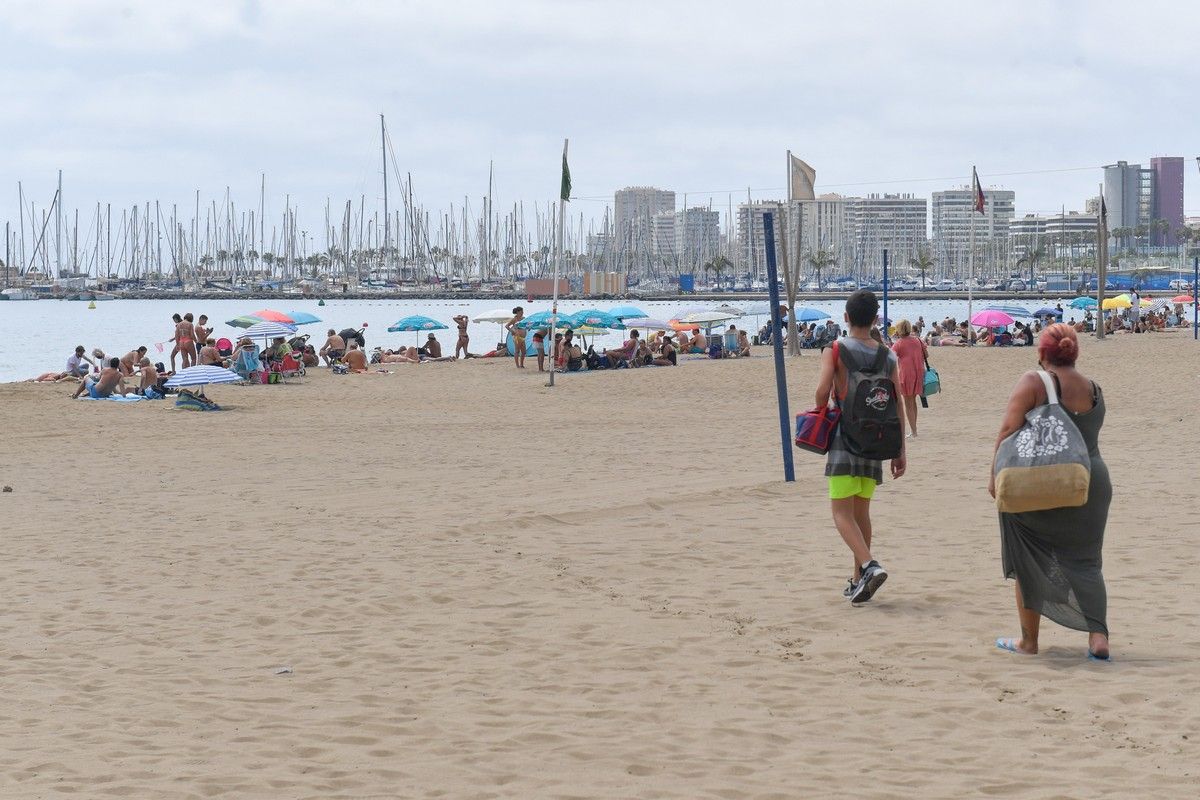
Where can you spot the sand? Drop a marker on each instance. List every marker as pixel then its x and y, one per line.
pixel 600 590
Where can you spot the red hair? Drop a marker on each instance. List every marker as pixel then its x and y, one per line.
pixel 1058 345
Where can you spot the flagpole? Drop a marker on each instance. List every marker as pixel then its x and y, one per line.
pixel 1101 263
pixel 562 213
pixel 971 260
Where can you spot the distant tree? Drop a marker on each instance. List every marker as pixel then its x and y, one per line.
pixel 922 262
pixel 1032 257
pixel 819 261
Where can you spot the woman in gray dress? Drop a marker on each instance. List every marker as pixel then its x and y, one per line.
pixel 1054 555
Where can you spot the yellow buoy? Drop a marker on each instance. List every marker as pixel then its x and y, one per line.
pixel 92 305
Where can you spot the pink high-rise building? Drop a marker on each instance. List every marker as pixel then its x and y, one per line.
pixel 1168 196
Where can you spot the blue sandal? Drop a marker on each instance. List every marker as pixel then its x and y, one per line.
pixel 1010 645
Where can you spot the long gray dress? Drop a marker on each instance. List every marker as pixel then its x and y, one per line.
pixel 1055 555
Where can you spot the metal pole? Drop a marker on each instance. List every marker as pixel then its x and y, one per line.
pixel 1195 300
pixel 785 429
pixel 562 211
pixel 885 294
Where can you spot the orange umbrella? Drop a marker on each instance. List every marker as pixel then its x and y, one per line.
pixel 1183 299
pixel 676 325
pixel 274 316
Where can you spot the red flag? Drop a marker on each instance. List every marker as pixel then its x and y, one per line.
pixel 978 191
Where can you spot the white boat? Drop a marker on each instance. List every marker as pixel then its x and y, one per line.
pixel 18 294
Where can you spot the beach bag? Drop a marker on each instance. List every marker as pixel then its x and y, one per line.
pixel 870 423
pixel 933 381
pixel 815 429
pixel 1045 464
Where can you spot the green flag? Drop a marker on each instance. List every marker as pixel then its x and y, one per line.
pixel 565 194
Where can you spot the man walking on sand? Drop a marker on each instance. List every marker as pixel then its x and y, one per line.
pixel 861 376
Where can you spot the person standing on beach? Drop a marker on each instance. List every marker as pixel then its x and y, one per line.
pixel 1055 555
pixel 910 354
pixel 178 320
pixel 852 479
pixel 189 348
pixel 202 331
pixel 518 337
pixel 462 320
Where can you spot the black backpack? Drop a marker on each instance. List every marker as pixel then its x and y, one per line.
pixel 870 414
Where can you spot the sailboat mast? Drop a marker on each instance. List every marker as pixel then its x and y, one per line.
pixel 386 226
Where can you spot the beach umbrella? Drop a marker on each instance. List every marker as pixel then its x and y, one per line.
pixel 202 376
pixel 621 312
pixel 1183 299
pixel 269 330
pixel 709 318
pixel 1012 311
pixel 810 315
pixel 499 315
pixel 647 324
pixel 1047 311
pixel 542 320
pixel 416 323
pixel 1160 303
pixel 730 309
pixel 1117 302
pixel 593 318
pixel 303 318
pixel 268 315
pixel 1083 302
pixel 243 321
pixel 991 318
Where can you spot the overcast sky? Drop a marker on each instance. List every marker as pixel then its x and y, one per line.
pixel 153 99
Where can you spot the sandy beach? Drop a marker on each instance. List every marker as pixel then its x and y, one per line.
pixel 603 590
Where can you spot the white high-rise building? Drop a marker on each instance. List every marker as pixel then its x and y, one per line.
pixel 697 237
pixel 635 208
pixel 952 212
pixel 895 222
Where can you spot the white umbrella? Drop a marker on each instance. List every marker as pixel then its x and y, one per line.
pixel 499 315
pixel 202 376
pixel 269 330
pixel 730 309
pixel 647 324
pixel 708 317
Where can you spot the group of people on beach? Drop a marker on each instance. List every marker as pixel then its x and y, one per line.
pixel 100 375
pixel 1053 555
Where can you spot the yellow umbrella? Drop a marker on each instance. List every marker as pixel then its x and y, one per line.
pixel 1117 302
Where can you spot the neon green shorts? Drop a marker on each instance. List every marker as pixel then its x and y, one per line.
pixel 843 486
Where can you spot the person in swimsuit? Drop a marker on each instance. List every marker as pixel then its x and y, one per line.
pixel 334 349
pixel 148 380
pixel 109 383
pixel 202 331
pixel 178 320
pixel 185 340
pixel 666 356
pixel 131 359
pixel 539 346
pixel 356 359
pixel 518 336
pixel 462 320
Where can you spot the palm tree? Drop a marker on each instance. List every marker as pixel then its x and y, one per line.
pixel 717 265
pixel 819 261
pixel 1032 257
pixel 922 262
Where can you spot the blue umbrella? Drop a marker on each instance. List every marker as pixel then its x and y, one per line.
pixel 592 318
pixel 417 323
pixel 810 315
pixel 621 312
pixel 1047 311
pixel 303 317
pixel 1083 302
pixel 542 320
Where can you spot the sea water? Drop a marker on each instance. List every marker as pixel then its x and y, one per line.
pixel 38 336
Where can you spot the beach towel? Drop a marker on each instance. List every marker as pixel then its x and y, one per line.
pixel 116 398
